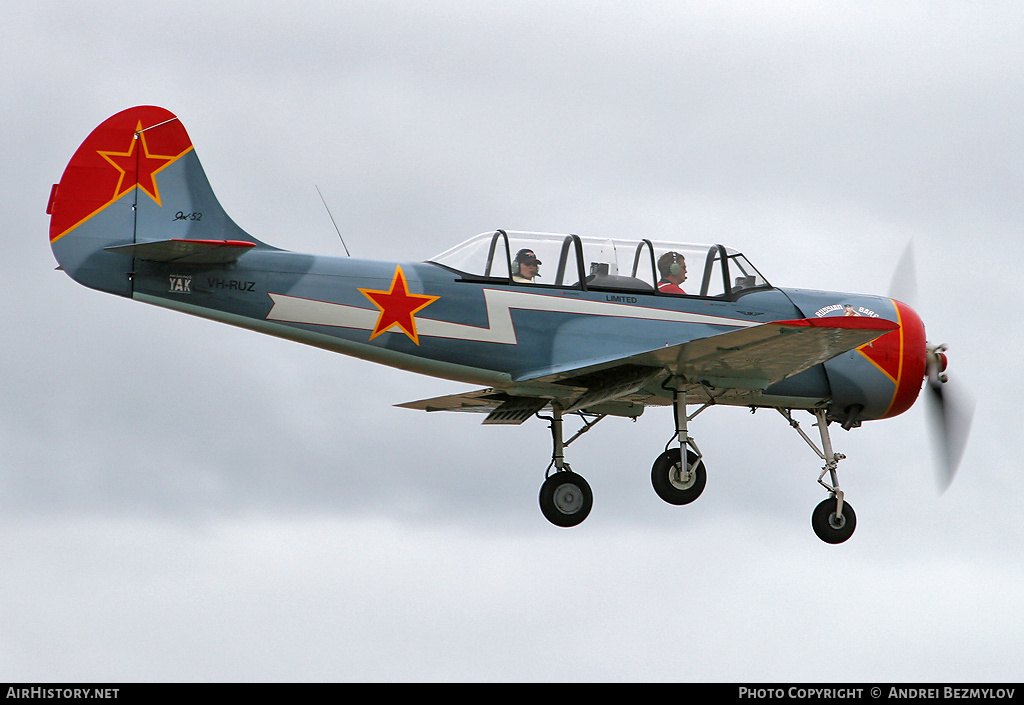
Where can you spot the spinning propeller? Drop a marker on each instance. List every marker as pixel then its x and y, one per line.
pixel 950 410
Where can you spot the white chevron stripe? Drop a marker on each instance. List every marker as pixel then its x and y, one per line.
pixel 499 305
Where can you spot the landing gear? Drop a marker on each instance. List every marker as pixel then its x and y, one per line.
pixel 565 497
pixel 830 526
pixel 833 520
pixel 677 482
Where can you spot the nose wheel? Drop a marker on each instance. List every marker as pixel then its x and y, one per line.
pixel 833 525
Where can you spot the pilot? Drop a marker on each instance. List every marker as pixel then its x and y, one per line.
pixel 525 267
pixel 672 268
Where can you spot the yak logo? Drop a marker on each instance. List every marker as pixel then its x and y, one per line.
pixel 181 284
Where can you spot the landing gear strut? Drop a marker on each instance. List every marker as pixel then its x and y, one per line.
pixel 674 481
pixel 833 520
pixel 565 497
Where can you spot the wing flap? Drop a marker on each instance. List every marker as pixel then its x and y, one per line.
pixel 186 251
pixel 515 411
pixel 501 408
pixel 479 401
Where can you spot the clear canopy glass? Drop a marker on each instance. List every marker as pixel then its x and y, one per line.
pixel 572 261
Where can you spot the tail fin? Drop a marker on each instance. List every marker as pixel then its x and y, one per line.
pixel 135 180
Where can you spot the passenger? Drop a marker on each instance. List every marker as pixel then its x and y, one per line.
pixel 525 267
pixel 672 268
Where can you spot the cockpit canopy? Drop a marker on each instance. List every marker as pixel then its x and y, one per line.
pixel 572 261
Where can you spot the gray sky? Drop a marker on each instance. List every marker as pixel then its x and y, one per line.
pixel 187 501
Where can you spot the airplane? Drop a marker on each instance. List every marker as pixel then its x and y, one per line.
pixel 541 324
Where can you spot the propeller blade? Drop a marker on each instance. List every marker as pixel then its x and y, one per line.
pixel 904 279
pixel 950 411
pixel 951 414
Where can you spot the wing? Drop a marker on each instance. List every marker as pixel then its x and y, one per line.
pixel 745 361
pixel 758 357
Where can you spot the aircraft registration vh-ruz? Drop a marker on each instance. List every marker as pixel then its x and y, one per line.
pixel 610 327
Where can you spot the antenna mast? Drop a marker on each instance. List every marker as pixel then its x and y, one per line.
pixel 333 222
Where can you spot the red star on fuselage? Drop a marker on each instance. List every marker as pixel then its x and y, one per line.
pixel 398 307
pixel 143 165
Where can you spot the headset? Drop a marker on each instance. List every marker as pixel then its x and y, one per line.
pixel 671 263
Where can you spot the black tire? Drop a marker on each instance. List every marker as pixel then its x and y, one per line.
pixel 827 527
pixel 672 483
pixel 565 499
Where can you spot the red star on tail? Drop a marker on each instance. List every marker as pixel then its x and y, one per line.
pixel 140 168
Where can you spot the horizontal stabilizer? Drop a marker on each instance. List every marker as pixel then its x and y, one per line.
pixel 186 251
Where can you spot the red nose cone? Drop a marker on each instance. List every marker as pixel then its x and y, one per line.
pixel 908 344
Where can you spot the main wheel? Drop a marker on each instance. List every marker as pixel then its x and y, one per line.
pixel 565 499
pixel 677 484
pixel 829 527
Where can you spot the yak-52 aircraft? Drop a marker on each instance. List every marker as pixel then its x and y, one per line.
pixel 545 324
